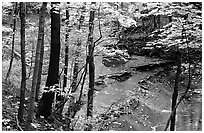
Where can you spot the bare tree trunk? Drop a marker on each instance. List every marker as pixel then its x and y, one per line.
pixel 90 58
pixel 78 51
pixel 74 105
pixel 13 39
pixel 40 70
pixel 23 80
pixel 91 64
pixel 76 68
pixel 175 93
pixel 37 64
pixel 53 72
pixel 31 63
pixel 118 23
pixel 67 48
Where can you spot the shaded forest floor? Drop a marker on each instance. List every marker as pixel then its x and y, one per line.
pixel 10 105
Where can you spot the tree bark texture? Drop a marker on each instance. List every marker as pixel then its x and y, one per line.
pixel 175 93
pixel 40 69
pixel 23 77
pixel 37 64
pixel 66 48
pixel 91 64
pixel 45 105
pixel 13 39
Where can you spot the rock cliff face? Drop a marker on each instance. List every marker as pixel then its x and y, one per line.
pixel 145 25
pixel 134 38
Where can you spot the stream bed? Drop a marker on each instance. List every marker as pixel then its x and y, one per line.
pixel 146 108
pixel 153 104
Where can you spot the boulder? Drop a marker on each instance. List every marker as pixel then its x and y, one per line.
pixel 114 58
pixel 120 77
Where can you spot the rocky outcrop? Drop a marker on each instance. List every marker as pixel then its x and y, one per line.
pixel 103 80
pixel 120 77
pixel 134 38
pixel 114 58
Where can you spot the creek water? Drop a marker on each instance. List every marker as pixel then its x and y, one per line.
pixel 154 103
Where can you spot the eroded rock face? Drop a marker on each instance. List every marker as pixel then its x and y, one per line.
pixel 114 58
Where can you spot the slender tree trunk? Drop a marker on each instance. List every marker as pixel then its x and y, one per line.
pixel 66 48
pixel 37 65
pixel 40 70
pixel 175 93
pixel 53 72
pixel 118 23
pixel 31 63
pixel 76 67
pixel 13 39
pixel 74 105
pixel 23 80
pixel 78 51
pixel 91 64
pixel 159 21
pixel 155 22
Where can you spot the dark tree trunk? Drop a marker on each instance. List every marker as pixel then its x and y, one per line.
pixel 158 21
pixel 122 4
pixel 175 93
pixel 37 65
pixel 66 48
pixel 46 101
pixel 155 22
pixel 23 80
pixel 91 64
pixel 13 40
pixel 53 71
pixel 66 67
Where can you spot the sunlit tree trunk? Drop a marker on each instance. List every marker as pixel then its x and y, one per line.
pixel 53 72
pixel 91 63
pixel 76 68
pixel 40 69
pixel 37 64
pixel 31 61
pixel 13 39
pixel 23 77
